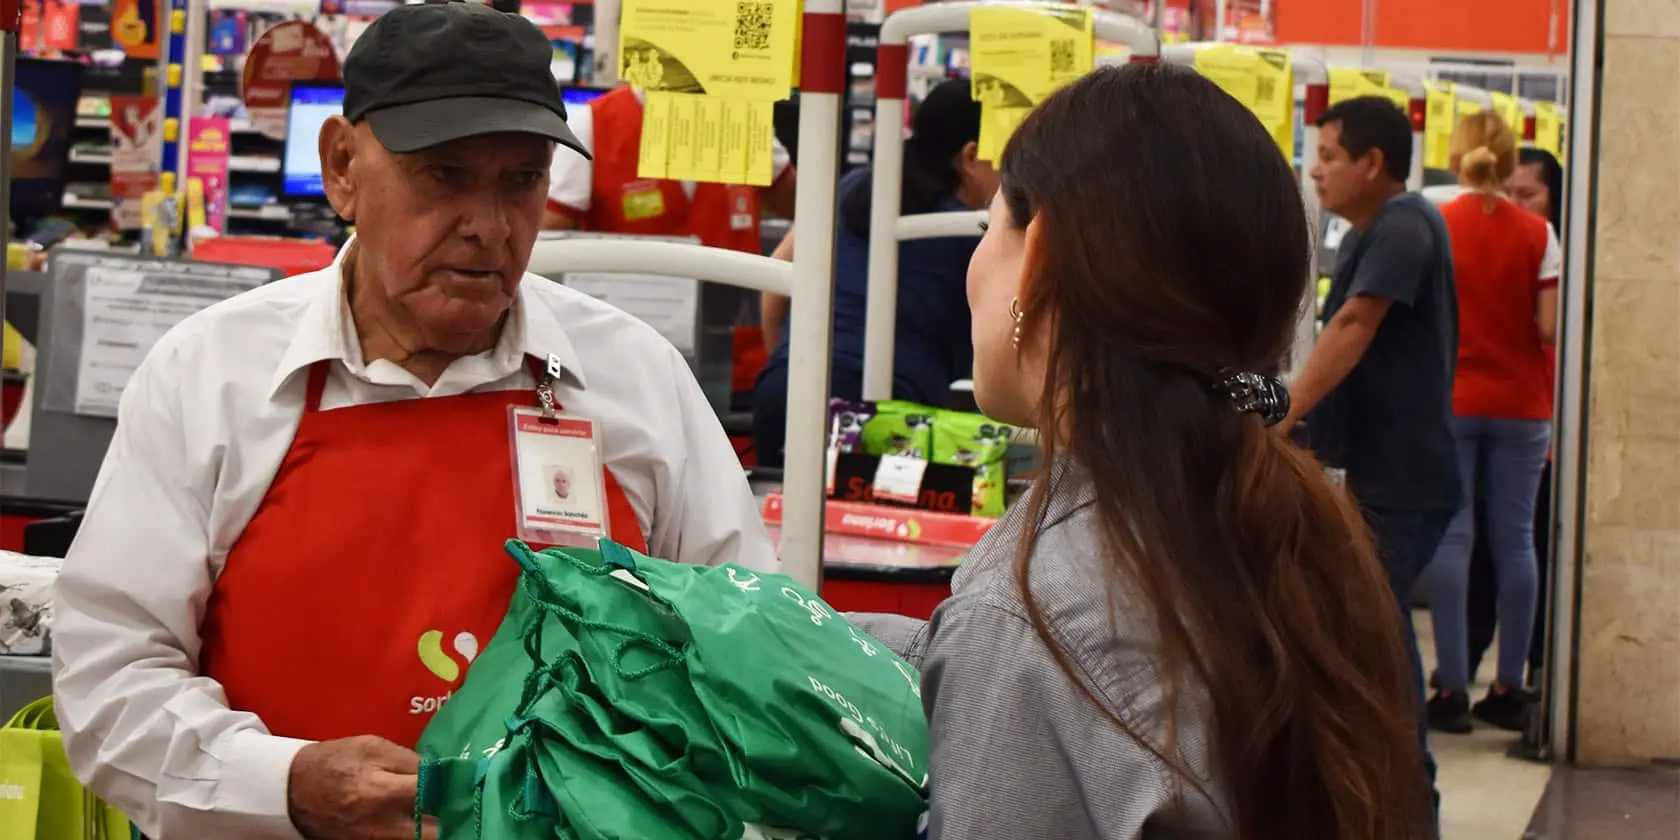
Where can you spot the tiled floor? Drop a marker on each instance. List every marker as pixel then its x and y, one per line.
pixel 1619 804
pixel 1484 794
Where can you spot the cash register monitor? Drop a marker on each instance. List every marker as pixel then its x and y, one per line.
pixel 311 104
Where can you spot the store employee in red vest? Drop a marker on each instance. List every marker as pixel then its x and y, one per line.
pixel 293 552
pixel 605 194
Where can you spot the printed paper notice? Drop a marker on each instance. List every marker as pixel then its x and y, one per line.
pixel 1261 79
pixel 739 49
pixel 668 304
pixel 125 311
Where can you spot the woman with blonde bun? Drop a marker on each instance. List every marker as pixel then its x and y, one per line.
pixel 1506 267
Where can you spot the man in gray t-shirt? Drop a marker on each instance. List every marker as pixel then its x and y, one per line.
pixel 1377 390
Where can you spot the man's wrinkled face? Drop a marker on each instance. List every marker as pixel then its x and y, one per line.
pixel 448 230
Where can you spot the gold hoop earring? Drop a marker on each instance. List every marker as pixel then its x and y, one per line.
pixel 1015 314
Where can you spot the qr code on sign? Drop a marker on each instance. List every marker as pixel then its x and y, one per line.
pixel 752 25
pixel 1061 55
pixel 1265 89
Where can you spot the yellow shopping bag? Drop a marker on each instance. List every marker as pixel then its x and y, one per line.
pixel 40 798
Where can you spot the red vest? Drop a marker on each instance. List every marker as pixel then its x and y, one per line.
pixel 719 215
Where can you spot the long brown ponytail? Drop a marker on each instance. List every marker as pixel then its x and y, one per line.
pixel 1174 247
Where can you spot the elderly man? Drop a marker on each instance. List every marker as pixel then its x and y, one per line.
pixel 294 547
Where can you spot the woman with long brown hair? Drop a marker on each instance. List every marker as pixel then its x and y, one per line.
pixel 1183 631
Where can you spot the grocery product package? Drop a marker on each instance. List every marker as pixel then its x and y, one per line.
pixel 625 696
pixel 26 585
pixel 899 428
pixel 964 439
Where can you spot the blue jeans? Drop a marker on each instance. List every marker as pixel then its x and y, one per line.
pixel 1406 540
pixel 1509 456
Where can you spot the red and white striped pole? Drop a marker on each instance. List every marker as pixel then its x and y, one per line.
pixel 822 78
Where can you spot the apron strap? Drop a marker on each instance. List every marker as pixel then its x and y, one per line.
pixel 314 387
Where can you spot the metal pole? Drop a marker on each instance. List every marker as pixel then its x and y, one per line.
pixel 10 11
pixel 605 62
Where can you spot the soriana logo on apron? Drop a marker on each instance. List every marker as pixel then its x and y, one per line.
pixel 447 665
pixel 289 52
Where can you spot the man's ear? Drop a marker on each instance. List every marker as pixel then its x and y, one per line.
pixel 1377 162
pixel 338 154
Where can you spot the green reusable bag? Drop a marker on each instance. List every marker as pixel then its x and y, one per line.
pixel 694 702
pixel 40 798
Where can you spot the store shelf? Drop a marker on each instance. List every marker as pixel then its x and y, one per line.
pixel 75 202
pixel 253 163
pixel 90 156
pixel 26 664
pixel 267 212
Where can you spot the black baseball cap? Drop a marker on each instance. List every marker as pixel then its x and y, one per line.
pixel 434 72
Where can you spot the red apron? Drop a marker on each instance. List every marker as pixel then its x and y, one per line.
pixel 373 570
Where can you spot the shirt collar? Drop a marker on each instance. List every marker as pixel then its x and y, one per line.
pixel 327 333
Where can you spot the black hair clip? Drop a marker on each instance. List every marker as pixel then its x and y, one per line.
pixel 1254 393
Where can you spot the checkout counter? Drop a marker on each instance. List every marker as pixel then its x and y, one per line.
pixel 42 487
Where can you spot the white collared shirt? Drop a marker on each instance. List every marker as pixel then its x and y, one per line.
pixel 202 428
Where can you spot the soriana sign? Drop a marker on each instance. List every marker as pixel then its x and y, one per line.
pixel 289 52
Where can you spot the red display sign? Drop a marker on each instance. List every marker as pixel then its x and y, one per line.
pixel 858 519
pixel 289 52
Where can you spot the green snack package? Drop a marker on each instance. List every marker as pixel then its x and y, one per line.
pixel 963 439
pixel 899 428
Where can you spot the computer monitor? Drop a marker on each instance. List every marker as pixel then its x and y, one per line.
pixel 577 96
pixel 44 99
pixel 311 104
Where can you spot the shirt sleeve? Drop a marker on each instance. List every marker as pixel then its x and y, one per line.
pixel 902 634
pixel 707 514
pixel 1399 253
pixel 571 177
pixel 1551 264
pixel 143 729
pixel 1018 751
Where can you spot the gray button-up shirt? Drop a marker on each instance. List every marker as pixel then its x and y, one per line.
pixel 1018 752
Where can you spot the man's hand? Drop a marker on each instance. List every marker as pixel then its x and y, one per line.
pixel 360 788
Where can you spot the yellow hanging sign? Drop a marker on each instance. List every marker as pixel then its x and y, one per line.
pixel 689 137
pixel 1261 79
pixel 1440 118
pixel 1466 107
pixel 738 50
pixel 1548 128
pixel 1351 83
pixel 1019 56
pixel 1509 109
pixel 712 71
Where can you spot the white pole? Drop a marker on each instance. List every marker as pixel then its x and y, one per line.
pixel 811 323
pixel 605 73
pixel 1219 12
pixel 891 94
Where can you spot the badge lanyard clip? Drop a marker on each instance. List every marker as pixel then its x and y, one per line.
pixel 545 390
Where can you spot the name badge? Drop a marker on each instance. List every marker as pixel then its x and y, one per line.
pixel 643 200
pixel 559 492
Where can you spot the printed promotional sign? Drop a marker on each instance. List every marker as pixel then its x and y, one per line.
pixel 136 151
pixel 1261 79
pixel 135 25
pixel 208 142
pixel 289 52
pixel 1019 57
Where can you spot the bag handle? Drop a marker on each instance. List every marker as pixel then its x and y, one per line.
pixel 543 593
pixel 38 715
